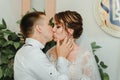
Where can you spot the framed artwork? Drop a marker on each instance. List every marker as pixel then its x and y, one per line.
pixel 107 14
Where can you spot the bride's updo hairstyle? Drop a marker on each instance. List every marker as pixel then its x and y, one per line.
pixel 70 19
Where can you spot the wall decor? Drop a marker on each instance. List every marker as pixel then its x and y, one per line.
pixel 107 14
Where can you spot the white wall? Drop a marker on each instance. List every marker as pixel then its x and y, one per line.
pixel 38 4
pixel 10 10
pixel 110 51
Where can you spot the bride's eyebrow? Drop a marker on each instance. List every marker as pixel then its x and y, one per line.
pixel 56 23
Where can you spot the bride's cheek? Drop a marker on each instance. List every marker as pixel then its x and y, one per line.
pixel 60 30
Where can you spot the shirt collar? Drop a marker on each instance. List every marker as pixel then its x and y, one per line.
pixel 34 42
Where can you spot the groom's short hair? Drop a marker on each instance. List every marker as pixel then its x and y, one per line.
pixel 28 21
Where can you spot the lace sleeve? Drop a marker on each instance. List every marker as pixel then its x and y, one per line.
pixel 51 54
pixel 89 67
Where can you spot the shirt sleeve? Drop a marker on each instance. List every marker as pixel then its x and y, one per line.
pixel 43 69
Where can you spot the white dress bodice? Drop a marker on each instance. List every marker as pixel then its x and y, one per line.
pixel 83 68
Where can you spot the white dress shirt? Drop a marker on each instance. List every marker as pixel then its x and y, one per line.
pixel 32 64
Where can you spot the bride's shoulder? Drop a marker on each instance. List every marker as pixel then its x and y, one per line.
pixel 84 51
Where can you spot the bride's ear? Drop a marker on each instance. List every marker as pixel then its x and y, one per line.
pixel 71 31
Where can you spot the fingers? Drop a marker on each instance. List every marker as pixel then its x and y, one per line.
pixel 65 40
pixel 70 44
pixel 58 42
pixel 63 49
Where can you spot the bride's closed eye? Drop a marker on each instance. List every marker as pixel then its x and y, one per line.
pixel 58 27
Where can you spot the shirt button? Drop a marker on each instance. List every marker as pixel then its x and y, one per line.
pixel 50 73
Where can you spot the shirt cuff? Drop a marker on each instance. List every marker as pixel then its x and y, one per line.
pixel 62 61
pixel 62 65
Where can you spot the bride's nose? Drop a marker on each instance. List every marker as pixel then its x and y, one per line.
pixel 54 29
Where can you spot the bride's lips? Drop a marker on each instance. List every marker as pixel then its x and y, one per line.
pixel 53 34
pixel 54 37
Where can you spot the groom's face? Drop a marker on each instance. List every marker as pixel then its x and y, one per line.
pixel 46 29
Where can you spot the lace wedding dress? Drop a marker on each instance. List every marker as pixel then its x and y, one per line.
pixel 83 68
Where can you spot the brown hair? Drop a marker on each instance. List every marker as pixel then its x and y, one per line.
pixel 70 19
pixel 28 21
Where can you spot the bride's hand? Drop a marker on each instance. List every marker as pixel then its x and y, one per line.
pixel 65 48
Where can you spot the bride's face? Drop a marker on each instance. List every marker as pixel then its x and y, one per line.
pixel 59 32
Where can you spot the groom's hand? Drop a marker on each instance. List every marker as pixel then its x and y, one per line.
pixel 65 48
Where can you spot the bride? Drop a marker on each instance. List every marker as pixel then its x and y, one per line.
pixel 82 65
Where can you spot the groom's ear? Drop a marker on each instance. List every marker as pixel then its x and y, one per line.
pixel 71 31
pixel 38 28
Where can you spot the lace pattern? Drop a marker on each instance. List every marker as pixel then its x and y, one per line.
pixel 83 68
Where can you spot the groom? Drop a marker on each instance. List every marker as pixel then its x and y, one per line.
pixel 30 62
